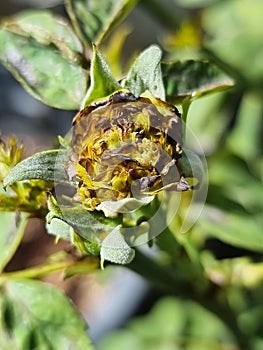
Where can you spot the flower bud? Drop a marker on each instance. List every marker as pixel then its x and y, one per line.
pixel 126 147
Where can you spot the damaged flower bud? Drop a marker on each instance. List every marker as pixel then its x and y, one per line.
pixel 126 147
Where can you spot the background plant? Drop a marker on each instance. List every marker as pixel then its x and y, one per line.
pixel 224 293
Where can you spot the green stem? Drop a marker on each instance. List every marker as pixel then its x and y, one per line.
pixel 13 204
pixel 36 271
pixel 186 103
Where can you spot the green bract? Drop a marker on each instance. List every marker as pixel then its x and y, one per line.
pixel 125 147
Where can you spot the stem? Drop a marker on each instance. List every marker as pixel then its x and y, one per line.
pixel 36 271
pixel 12 204
pixel 186 103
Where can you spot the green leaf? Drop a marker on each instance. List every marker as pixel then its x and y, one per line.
pixel 45 56
pixel 102 83
pixel 49 319
pixel 243 231
pixel 236 182
pixel 47 28
pixel 47 165
pixel 242 34
pixel 12 231
pixel 195 3
pixel 146 74
pixel 193 79
pixel 90 225
pixel 115 249
pixel 60 229
pixel 93 19
pixel 247 129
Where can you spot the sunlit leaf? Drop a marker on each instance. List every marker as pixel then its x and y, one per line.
pixel 231 176
pixel 115 249
pixel 102 83
pixel 90 225
pixel 145 74
pixel 49 321
pixel 47 165
pixel 220 197
pixel 94 19
pixel 247 129
pixel 239 230
pixel 192 79
pixel 11 232
pixel 44 55
pixel 242 33
pixel 60 229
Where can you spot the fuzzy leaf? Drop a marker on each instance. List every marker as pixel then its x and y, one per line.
pixel 115 249
pixel 47 165
pixel 49 319
pixel 45 56
pixel 102 82
pixel 90 225
pixel 12 231
pixel 146 74
pixel 60 229
pixel 93 19
pixel 193 79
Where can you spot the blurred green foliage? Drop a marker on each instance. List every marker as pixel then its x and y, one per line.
pixel 172 324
